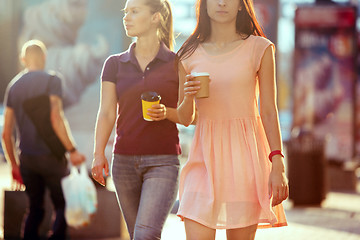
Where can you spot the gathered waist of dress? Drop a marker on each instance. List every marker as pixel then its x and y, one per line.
pixel 219 119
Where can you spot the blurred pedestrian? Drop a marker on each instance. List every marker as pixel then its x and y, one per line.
pixel 34 165
pixel 145 162
pixel 228 181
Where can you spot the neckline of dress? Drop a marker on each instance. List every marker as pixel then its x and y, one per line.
pixel 226 53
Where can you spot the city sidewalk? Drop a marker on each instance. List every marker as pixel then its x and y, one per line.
pixel 337 219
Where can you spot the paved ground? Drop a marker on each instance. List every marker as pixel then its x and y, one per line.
pixel 337 219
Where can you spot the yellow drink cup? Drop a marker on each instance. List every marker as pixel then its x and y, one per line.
pixel 148 99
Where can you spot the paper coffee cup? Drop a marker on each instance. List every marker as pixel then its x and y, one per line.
pixel 148 99
pixel 203 77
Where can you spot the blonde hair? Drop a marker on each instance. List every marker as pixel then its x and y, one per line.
pixel 33 47
pixel 165 31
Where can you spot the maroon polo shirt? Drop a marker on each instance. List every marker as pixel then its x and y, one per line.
pixel 134 135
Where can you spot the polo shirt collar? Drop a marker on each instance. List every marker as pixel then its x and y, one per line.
pixel 164 54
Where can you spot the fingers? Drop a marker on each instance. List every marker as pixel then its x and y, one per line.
pixel 97 172
pixel 286 193
pixel 191 87
pixel 14 185
pixel 276 199
pixel 278 187
pixel 80 159
pixel 98 176
pixel 189 77
pixel 280 194
pixel 269 189
pixel 83 158
pixel 77 158
pixel 106 169
pixel 17 186
pixel 157 112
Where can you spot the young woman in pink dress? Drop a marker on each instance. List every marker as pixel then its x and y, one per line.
pixel 235 177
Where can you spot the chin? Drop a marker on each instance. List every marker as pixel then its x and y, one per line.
pixel 130 33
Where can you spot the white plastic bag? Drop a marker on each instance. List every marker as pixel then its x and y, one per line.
pixel 80 197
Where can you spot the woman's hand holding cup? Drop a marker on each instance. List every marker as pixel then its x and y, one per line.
pixel 157 112
pixel 197 84
pixel 191 86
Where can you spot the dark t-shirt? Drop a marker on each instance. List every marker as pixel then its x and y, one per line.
pixel 27 85
pixel 134 135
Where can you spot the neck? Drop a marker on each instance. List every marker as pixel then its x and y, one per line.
pixel 147 47
pixel 33 68
pixel 223 33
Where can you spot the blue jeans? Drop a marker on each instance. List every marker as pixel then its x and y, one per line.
pixel 146 189
pixel 39 173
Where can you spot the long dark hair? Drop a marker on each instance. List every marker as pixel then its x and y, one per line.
pixel 246 24
pixel 166 30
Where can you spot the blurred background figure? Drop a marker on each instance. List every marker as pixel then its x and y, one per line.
pixel 36 166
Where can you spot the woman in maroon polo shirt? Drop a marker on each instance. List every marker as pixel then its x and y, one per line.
pixel 145 162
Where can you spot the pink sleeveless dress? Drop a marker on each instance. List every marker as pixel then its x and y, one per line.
pixel 224 183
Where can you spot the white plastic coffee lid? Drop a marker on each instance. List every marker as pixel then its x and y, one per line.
pixel 196 74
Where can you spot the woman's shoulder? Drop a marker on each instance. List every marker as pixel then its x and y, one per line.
pixel 116 56
pixel 259 46
pixel 122 56
pixel 260 41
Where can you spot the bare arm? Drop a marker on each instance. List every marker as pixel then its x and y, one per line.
pixel 187 90
pixel 104 125
pixel 268 108
pixel 8 141
pixel 9 148
pixel 62 129
pixel 278 184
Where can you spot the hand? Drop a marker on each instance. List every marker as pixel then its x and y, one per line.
pixel 157 112
pixel 17 182
pixel 99 164
pixel 191 87
pixel 77 158
pixel 278 186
